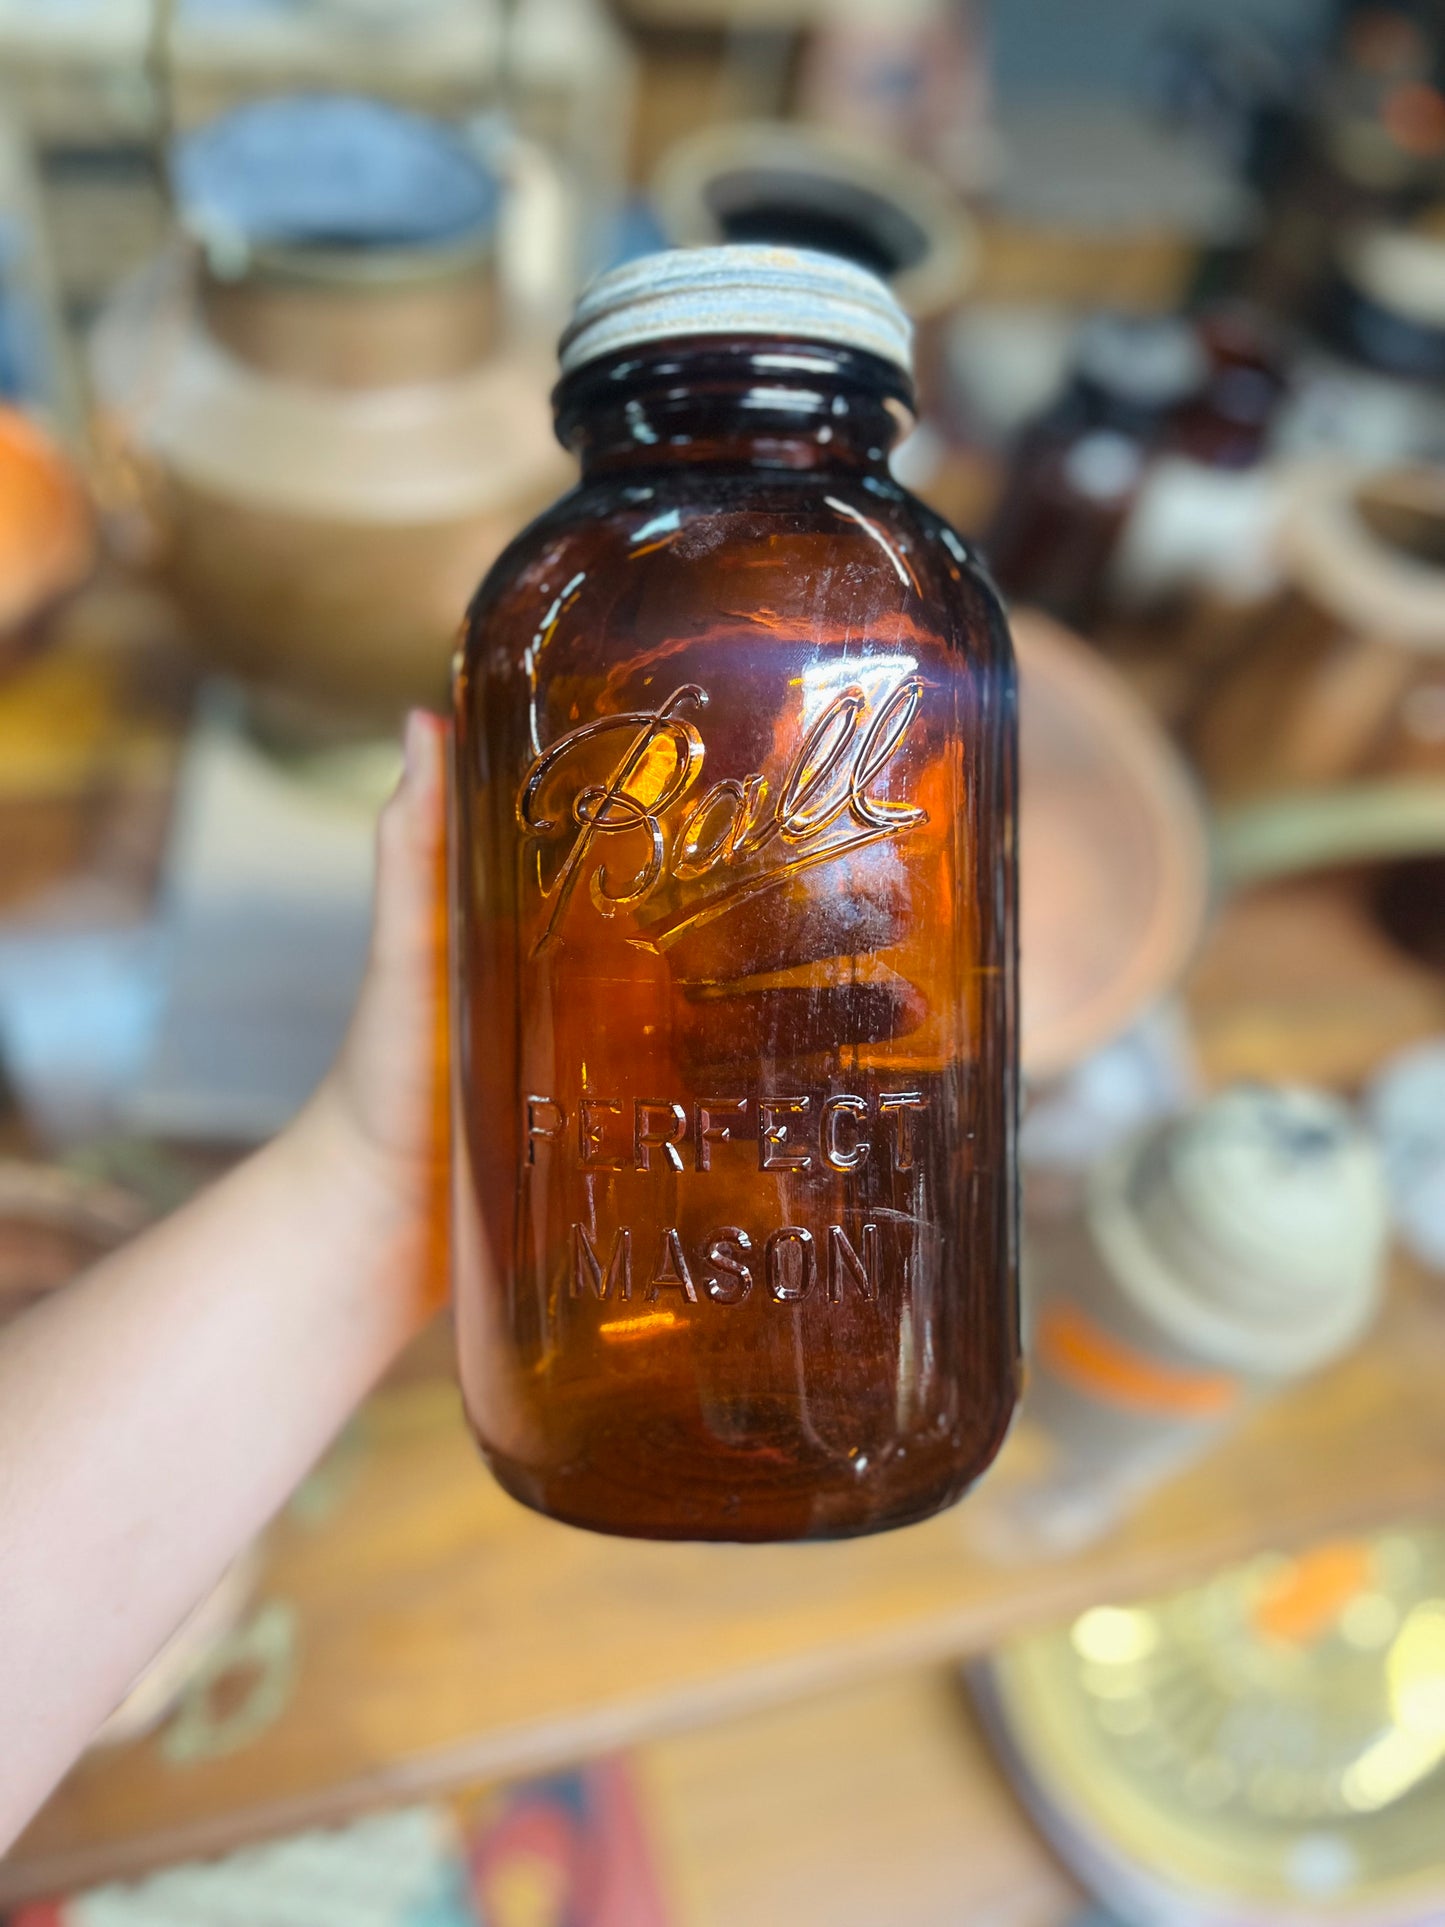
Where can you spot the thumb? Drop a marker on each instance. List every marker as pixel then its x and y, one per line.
pixel 410 851
pixel 392 1070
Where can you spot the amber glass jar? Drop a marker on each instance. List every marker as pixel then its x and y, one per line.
pixel 734 868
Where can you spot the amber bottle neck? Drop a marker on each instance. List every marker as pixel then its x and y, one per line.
pixel 750 404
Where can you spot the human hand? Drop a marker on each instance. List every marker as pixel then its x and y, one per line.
pixel 383 1107
pixel 155 1414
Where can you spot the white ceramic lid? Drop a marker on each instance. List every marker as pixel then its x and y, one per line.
pixel 1253 1230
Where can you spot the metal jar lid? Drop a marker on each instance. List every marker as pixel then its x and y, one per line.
pixel 791 294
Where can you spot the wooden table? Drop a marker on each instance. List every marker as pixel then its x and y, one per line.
pixel 877 1804
pixel 433 1633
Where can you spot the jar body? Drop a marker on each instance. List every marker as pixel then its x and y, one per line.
pixel 735 1037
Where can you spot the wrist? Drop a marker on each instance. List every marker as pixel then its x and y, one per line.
pixel 387 1209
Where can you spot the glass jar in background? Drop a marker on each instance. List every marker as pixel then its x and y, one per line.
pixel 1204 517
pixel 1078 470
pixel 734 860
pixel 1197 558
pixel 1370 384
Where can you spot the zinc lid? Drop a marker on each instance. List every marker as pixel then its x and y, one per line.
pixel 790 293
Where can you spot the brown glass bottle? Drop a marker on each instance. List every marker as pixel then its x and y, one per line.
pixel 734 857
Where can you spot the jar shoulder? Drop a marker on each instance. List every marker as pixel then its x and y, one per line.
pixel 808 557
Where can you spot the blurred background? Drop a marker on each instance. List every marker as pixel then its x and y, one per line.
pixel 279 284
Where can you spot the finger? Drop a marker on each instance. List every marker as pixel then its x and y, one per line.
pixel 410 839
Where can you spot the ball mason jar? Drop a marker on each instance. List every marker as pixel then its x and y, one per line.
pixel 733 861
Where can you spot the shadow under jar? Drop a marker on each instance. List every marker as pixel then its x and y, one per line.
pixel 733 861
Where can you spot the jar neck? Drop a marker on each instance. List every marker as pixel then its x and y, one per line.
pixel 714 401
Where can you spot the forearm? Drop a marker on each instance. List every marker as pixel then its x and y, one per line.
pixel 156 1414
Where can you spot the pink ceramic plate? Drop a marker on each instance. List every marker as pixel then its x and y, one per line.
pixel 1113 853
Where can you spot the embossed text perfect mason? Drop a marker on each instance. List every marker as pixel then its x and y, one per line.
pixel 733 937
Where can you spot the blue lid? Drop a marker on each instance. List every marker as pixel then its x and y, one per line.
pixel 332 171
